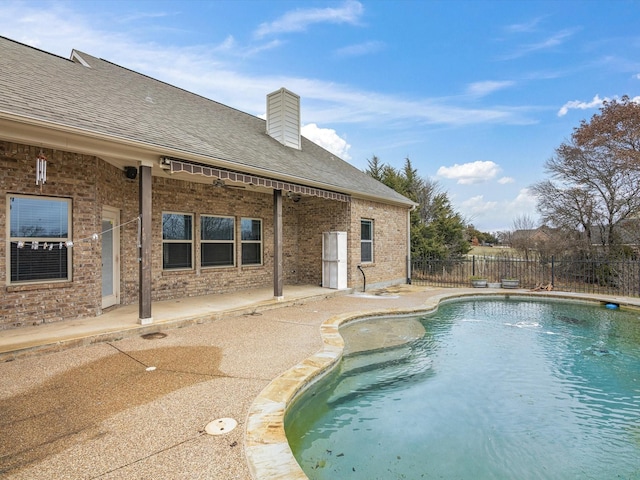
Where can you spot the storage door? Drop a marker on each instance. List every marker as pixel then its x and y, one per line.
pixel 334 260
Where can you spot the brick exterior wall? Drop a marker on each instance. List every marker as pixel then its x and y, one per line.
pixel 117 191
pixel 180 196
pixel 389 245
pixel 69 176
pixel 92 184
pixel 318 216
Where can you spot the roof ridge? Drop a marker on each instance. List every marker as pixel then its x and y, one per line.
pixel 35 48
pixel 108 62
pixel 118 102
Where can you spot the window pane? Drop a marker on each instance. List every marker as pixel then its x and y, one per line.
pixel 251 254
pixel 216 228
pixel 366 252
pixel 38 221
pixel 176 255
pixel 250 229
pixel 39 218
pixel 176 226
pixel 217 254
pixel 41 264
pixel 366 230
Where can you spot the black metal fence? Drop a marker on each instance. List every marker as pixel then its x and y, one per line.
pixel 594 275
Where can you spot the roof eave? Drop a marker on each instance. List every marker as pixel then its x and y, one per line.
pixel 34 131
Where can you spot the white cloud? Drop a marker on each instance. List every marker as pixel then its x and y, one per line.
pixel 637 76
pixel 328 139
pixel 525 201
pixel 481 89
pixel 595 103
pixel 219 72
pixel 298 20
pixel 527 27
pixel 492 216
pixel 142 16
pixel 505 180
pixel 470 173
pixel 477 206
pixel 545 44
pixel 360 49
pixel 576 104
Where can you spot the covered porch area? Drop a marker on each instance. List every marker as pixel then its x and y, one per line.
pixel 123 321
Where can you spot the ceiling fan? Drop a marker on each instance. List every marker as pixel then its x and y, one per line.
pixel 219 183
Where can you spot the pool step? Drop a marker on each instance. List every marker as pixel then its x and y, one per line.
pixel 380 369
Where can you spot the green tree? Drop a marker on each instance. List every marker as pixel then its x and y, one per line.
pixel 446 230
pixel 374 168
pixel 436 228
pixel 482 237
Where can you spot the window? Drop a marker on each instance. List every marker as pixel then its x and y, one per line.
pixel 177 241
pixel 39 228
pixel 217 241
pixel 251 238
pixel 366 241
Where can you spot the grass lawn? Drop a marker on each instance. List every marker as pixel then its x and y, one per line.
pixel 493 251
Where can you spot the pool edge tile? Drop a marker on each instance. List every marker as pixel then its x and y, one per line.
pixel 267 450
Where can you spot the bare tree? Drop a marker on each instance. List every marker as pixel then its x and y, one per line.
pixel 568 209
pixel 595 177
pixel 524 235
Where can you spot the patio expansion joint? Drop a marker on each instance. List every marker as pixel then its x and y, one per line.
pixel 151 455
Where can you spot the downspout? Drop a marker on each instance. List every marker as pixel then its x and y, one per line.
pixel 278 278
pixel 409 244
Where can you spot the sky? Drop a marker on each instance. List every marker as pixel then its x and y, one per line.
pixel 477 94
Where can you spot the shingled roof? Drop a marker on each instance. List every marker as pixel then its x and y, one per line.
pixel 92 95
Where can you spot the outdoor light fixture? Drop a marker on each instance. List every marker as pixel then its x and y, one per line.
pixel 131 172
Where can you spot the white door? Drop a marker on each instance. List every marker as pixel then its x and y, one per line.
pixel 110 257
pixel 334 260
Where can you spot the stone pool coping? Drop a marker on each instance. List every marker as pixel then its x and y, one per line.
pixel 267 450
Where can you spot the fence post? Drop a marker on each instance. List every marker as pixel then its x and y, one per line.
pixel 473 265
pixel 552 271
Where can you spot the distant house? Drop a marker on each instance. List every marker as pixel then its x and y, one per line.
pixel 532 236
pixel 626 232
pixel 121 189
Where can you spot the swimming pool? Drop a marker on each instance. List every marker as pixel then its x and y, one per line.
pixel 491 389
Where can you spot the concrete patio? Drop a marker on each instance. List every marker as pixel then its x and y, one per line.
pixel 122 404
pixel 119 322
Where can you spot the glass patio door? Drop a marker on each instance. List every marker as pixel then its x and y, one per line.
pixel 110 257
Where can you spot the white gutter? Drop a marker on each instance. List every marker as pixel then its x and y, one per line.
pixel 34 131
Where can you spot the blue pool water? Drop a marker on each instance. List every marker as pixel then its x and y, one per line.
pixel 494 389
